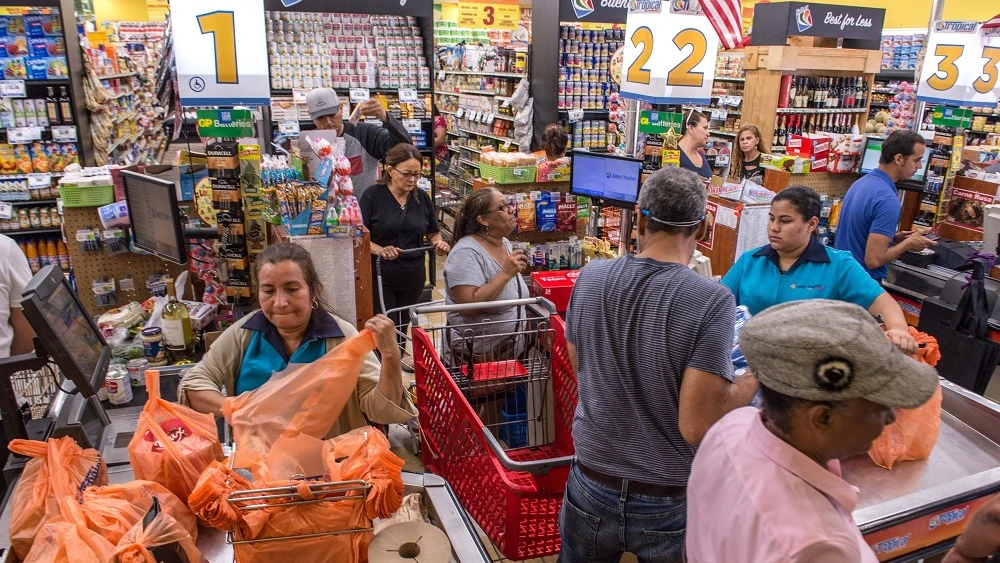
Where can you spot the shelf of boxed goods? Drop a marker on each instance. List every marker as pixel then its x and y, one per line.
pixel 343 92
pixel 490 136
pixel 482 73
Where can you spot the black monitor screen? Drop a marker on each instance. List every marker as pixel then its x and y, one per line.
pixel 154 216
pixel 873 155
pixel 67 331
pixel 614 179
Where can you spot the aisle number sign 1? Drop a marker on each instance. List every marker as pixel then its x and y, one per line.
pixel 221 52
pixel 962 65
pixel 489 14
pixel 669 57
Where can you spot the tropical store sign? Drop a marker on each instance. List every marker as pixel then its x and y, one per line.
pixel 659 122
pixel 962 65
pixel 603 11
pixel 225 123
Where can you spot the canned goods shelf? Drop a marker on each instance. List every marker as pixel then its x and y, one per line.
pixel 483 73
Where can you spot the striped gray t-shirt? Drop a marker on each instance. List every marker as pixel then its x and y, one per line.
pixel 637 324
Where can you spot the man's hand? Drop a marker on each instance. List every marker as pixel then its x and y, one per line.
pixel 903 235
pixel 917 242
pixel 372 108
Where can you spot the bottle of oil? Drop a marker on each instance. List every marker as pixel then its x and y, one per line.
pixel 65 106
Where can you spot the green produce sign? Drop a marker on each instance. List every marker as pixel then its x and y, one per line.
pixel 659 122
pixel 225 123
pixel 952 117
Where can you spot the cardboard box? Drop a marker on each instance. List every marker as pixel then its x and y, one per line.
pixel 816 148
pixel 555 286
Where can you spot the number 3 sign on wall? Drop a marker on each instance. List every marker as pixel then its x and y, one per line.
pixel 669 58
pixel 221 52
pixel 962 65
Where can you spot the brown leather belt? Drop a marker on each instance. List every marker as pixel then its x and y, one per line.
pixel 634 487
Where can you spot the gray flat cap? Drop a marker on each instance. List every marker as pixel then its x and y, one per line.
pixel 822 350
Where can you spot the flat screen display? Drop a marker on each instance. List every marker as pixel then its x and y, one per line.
pixel 611 178
pixel 154 216
pixel 71 326
pixel 873 154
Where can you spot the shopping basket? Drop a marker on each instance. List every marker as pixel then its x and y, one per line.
pixel 519 378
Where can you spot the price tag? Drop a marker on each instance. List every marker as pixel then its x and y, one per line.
pixel 473 116
pixel 412 125
pixel 490 118
pixel 360 95
pixel 489 14
pixel 13 89
pixel 506 145
pixel 299 95
pixel 460 113
pixel 64 134
pixel 962 65
pixel 23 135
pixel 5 210
pixel 289 127
pixel 575 115
pixel 669 58
pixel 39 181
pixel 208 34
pixel 408 95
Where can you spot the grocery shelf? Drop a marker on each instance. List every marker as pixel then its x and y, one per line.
pixel 453 134
pixel 468 162
pixel 114 76
pixel 821 110
pixel 447 112
pixel 346 91
pixel 37 231
pixel 491 136
pixel 722 133
pixel 598 112
pixel 55 82
pixel 483 73
pixel 729 79
pixel 889 74
pixel 477 92
pixel 122 95
pixel 503 117
pixel 46 201
pixel 883 91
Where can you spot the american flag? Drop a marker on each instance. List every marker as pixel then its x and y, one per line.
pixel 726 18
pixel 993 23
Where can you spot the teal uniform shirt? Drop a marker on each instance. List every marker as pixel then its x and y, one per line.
pixel 820 273
pixel 266 353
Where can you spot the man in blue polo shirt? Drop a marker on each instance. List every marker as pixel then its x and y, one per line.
pixel 870 214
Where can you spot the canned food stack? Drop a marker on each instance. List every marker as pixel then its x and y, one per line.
pixel 584 66
pixel 590 134
pixel 332 50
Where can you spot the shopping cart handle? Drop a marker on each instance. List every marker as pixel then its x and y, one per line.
pixel 537 467
pixel 431 309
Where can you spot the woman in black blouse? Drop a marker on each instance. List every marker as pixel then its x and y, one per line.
pixel 399 216
pixel 746 156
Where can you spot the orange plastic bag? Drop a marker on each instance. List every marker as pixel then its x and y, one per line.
pixel 66 539
pixel 60 470
pixel 913 435
pixel 113 510
pixel 135 545
pixel 365 454
pixel 307 401
pixel 172 444
pixel 209 499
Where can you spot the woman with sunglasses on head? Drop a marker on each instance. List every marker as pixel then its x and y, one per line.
pixel 400 216
pixel 746 155
pixel 483 265
pixel 691 144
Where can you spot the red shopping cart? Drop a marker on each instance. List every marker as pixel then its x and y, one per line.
pixel 492 382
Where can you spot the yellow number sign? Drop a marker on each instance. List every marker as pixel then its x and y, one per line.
pixel 962 65
pixel 489 14
pixel 222 26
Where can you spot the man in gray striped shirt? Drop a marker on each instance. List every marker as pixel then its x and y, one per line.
pixel 652 342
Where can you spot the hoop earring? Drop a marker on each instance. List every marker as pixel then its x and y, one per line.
pixel 315 303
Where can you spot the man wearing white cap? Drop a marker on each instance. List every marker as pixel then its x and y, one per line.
pixel 766 485
pixel 366 144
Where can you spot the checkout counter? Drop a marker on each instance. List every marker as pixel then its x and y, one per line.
pixel 69 336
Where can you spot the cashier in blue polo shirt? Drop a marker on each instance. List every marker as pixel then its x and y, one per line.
pixel 796 266
pixel 293 327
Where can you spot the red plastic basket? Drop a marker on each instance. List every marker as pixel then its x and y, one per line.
pixel 518 511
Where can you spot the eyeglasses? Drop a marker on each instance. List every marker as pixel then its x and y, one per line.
pixel 408 175
pixel 507 207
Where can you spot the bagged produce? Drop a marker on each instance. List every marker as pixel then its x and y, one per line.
pixel 135 546
pixel 60 470
pixel 172 444
pixel 915 431
pixel 308 401
pixel 113 510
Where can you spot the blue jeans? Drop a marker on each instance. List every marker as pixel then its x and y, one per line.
pixel 598 524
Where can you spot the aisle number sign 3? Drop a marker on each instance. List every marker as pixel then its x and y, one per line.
pixel 221 52
pixel 669 58
pixel 962 65
pixel 489 14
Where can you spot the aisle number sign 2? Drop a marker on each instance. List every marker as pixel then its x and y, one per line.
pixel 669 58
pixel 221 52
pixel 962 65
pixel 489 14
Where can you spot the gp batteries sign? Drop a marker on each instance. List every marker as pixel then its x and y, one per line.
pixel 221 52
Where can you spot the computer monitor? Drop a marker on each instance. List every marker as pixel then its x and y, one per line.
pixel 873 155
pixel 68 332
pixel 155 217
pixel 613 179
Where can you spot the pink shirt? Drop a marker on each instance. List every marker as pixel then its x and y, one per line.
pixel 752 497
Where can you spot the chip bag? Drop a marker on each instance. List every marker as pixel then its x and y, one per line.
pixel 135 546
pixel 308 401
pixel 913 435
pixel 172 444
pixel 60 470
pixel 113 510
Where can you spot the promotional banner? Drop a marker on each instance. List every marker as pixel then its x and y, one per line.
pixel 489 14
pixel 596 11
pixel 962 65
pixel 216 66
pixel 860 28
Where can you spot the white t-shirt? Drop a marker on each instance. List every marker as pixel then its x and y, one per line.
pixel 14 275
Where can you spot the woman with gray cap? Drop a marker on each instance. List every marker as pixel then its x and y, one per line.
pixel 766 484
pixel 366 144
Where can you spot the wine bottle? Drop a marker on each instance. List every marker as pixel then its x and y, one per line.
pixel 52 107
pixel 774 138
pixel 782 134
pixel 791 94
pixel 65 106
pixel 177 334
